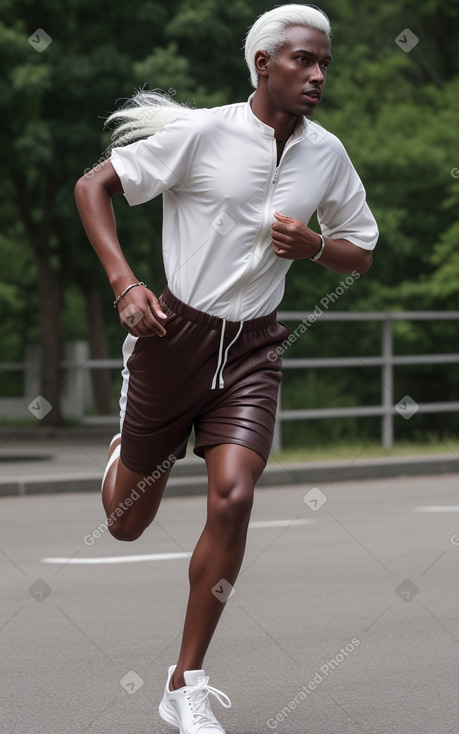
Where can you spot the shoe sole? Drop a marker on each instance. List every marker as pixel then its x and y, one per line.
pixel 169 715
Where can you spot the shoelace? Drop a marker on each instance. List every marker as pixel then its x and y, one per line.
pixel 200 695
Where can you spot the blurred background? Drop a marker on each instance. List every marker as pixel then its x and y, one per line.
pixel 392 97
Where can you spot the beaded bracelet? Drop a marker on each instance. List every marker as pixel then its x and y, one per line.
pixel 121 295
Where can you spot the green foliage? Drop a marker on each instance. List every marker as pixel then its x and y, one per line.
pixel 395 112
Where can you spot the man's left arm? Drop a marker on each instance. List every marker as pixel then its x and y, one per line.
pixel 347 226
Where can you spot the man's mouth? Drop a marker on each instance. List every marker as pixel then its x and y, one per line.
pixel 312 94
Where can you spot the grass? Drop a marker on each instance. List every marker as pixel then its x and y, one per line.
pixel 365 450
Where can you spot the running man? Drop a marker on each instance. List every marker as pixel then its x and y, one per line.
pixel 240 184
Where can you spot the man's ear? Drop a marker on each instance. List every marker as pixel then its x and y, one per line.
pixel 262 59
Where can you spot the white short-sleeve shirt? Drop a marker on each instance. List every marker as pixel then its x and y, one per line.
pixel 217 171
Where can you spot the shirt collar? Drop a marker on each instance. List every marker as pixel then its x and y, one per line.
pixel 267 131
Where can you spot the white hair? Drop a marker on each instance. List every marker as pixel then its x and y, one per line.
pixel 269 30
pixel 146 113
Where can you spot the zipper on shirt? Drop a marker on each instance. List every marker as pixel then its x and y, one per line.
pixel 276 172
pixel 256 250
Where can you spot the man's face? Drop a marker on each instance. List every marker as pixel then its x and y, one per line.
pixel 296 75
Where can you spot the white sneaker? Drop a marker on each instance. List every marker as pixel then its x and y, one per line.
pixel 188 708
pixel 113 457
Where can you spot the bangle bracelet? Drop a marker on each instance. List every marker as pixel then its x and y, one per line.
pixel 121 295
pixel 320 250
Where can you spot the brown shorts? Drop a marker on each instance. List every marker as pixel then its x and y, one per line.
pixel 216 376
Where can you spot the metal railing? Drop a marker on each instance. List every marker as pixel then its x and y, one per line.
pixel 77 372
pixel 387 361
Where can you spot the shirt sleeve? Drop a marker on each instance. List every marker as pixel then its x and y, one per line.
pixel 158 163
pixel 344 212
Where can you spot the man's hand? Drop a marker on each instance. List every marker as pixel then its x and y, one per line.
pixel 140 313
pixel 292 239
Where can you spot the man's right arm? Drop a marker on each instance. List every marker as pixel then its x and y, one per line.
pixel 93 195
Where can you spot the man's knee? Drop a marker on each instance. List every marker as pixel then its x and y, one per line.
pixel 233 499
pixel 125 529
pixel 233 472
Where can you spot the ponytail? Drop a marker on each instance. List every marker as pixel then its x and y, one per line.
pixel 146 113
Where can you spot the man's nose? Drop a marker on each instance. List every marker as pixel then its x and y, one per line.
pixel 316 74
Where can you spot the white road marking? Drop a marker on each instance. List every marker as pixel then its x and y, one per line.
pixel 438 508
pixel 278 523
pixel 164 556
pixel 117 559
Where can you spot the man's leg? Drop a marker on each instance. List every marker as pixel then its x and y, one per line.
pixel 232 471
pixel 130 500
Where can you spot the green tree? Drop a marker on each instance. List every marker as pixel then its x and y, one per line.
pixel 53 100
pixel 395 111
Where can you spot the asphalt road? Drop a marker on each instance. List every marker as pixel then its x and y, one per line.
pixel 344 622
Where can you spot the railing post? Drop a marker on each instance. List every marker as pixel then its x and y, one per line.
pixel 76 392
pixel 387 385
pixel 277 435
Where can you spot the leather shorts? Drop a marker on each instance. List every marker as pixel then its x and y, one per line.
pixel 207 374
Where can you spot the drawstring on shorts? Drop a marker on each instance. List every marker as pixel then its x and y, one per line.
pixel 222 362
pixel 216 323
